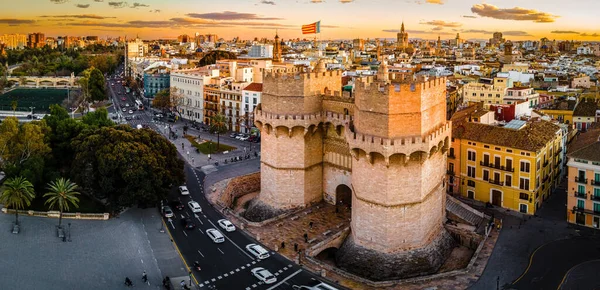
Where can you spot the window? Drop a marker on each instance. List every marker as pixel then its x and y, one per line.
pixel 471 156
pixel 254 101
pixel 524 196
pixel 508 164
pixel 580 203
pixel 451 152
pixel 496 177
pixel 596 207
pixel 537 164
pixel 597 192
pixel 451 167
pixel 486 175
pixel 581 174
pixel 524 183
pixel 509 150
pixel 497 161
pixel 471 183
pixel 471 171
pixel 525 167
pixel 523 208
pixel 581 189
pixel 486 159
pixel 508 180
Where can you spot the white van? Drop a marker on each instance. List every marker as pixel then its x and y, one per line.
pixel 258 251
pixel 215 236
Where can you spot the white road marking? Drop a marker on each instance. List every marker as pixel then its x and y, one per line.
pixel 231 272
pixel 213 279
pixel 253 285
pixel 171 222
pixel 247 265
pixel 184 233
pixel 182 216
pixel 220 251
pixel 286 278
pixel 220 277
pixel 237 270
pixel 242 267
pixel 142 261
pixel 225 275
pixel 233 243
pixel 200 253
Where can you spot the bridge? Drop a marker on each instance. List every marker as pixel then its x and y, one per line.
pixel 31 81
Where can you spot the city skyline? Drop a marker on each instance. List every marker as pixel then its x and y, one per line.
pixel 428 19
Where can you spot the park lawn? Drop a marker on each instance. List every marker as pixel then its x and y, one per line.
pixel 208 147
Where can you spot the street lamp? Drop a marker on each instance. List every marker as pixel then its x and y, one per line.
pixel 69 232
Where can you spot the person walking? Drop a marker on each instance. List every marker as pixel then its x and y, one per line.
pixel 128 282
pixel 144 277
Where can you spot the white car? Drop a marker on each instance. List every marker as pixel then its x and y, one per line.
pixel 194 206
pixel 130 112
pixel 244 138
pixel 126 104
pixel 183 190
pixel 215 236
pixel 258 251
pixel 264 275
pixel 226 225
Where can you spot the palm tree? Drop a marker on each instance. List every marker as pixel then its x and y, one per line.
pixel 17 192
pixel 218 125
pixel 61 193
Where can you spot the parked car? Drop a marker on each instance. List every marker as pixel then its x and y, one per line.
pixel 177 204
pixel 226 225
pixel 232 135
pixel 183 190
pixel 215 236
pixel 128 118
pixel 188 224
pixel 130 111
pixel 256 140
pixel 126 104
pixel 264 275
pixel 123 99
pixel 194 206
pixel 258 251
pixel 124 110
pixel 244 138
pixel 239 136
pixel 167 211
pixel 251 138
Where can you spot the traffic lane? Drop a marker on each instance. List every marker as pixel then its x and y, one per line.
pixel 562 255
pixel 195 246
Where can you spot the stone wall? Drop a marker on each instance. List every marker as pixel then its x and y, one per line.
pixel 240 186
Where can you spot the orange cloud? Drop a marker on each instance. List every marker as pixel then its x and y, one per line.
pixel 517 13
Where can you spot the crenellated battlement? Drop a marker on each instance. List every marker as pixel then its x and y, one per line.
pixel 270 76
pixel 418 86
pixel 407 145
pixel 305 121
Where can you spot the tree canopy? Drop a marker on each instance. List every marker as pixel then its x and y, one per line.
pixel 167 99
pixel 126 166
pixel 213 56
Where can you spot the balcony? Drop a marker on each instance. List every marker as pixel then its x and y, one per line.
pixel 581 180
pixel 595 197
pixel 580 195
pixel 452 156
pixel 546 163
pixel 496 182
pixel 595 182
pixel 450 172
pixel 557 152
pixel 492 165
pixel 586 211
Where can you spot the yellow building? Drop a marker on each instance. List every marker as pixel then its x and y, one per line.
pixel 583 191
pixel 512 166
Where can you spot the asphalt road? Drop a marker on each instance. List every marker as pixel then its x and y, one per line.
pixel 226 265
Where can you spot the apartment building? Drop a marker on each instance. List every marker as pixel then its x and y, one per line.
pixel 224 96
pixel 583 191
pixel 251 96
pixel 190 83
pixel 487 92
pixel 515 166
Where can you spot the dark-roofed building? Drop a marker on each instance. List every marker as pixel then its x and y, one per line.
pixel 561 111
pixel 583 192
pixel 514 166
pixel 584 114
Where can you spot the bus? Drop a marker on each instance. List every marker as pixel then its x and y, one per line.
pixel 139 104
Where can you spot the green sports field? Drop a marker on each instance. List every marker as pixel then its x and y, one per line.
pixel 41 99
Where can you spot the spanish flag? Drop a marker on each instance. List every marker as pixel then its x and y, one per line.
pixel 312 28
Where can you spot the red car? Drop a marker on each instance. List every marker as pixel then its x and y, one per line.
pixel 123 99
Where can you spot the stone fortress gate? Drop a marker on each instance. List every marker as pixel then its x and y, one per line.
pixel 381 148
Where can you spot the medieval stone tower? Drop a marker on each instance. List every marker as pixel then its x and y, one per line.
pixel 384 145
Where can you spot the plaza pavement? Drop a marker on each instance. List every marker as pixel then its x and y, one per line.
pixel 100 255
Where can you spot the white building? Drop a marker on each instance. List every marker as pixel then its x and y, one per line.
pixel 189 83
pixel 251 96
pixel 261 51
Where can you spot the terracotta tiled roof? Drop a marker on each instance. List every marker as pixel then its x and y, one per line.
pixel 583 140
pixel 586 109
pixel 255 87
pixel 534 136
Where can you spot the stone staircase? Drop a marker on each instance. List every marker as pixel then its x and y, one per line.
pixel 465 213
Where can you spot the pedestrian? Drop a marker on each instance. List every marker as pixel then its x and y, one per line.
pixel 144 277
pixel 337 210
pixel 283 245
pixel 182 283
pixel 305 237
pixel 128 282
pixel 182 145
pixel 295 247
pixel 310 224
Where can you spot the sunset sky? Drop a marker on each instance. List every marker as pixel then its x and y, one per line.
pixel 340 19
